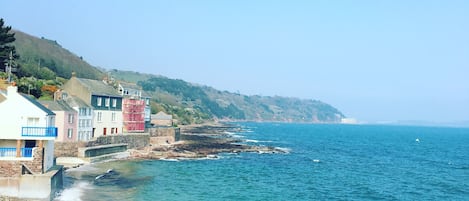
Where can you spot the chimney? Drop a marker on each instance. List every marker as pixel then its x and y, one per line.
pixel 58 95
pixel 12 90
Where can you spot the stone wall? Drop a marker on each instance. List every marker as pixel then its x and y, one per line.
pixel 67 149
pixel 13 168
pixel 164 135
pixel 165 131
pixel 132 140
pixel 70 149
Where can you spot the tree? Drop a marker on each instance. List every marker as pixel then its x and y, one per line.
pixel 6 38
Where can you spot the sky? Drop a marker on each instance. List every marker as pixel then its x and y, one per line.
pixel 374 60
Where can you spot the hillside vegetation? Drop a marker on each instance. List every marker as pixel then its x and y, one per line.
pixel 230 106
pixel 47 59
pixel 44 59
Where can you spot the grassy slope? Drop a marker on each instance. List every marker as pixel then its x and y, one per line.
pixel 254 108
pixel 50 54
pixel 189 102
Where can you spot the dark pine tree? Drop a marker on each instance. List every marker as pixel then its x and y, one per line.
pixel 6 38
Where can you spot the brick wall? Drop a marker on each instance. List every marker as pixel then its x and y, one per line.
pixel 14 168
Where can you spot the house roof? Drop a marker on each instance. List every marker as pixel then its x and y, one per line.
pixel 57 105
pixel 98 87
pixel 162 116
pixel 37 104
pixel 74 101
pixel 126 85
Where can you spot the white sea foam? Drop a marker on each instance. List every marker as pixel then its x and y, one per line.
pixel 237 136
pixel 284 149
pixel 169 159
pixel 75 192
pixel 83 168
pixel 257 141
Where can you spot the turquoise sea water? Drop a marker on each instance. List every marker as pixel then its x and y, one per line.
pixel 325 162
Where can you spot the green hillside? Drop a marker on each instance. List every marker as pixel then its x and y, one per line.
pixel 190 103
pixel 45 59
pixel 230 106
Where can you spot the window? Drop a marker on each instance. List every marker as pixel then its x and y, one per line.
pixel 89 111
pixel 70 133
pixel 114 102
pixel 112 130
pixel 107 102
pixel 113 116
pixel 88 123
pixel 99 101
pixel 32 121
pixel 70 118
pixel 100 116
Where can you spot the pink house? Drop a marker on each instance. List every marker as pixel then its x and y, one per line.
pixel 65 120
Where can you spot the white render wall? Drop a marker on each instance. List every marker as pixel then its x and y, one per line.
pixel 48 154
pixel 106 122
pixel 14 114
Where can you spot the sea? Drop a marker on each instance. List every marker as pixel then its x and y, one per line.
pixel 322 162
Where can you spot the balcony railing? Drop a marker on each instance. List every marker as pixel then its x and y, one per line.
pixel 39 132
pixel 11 152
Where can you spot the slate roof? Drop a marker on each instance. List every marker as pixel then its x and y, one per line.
pixel 161 116
pixel 98 87
pixel 74 101
pixel 57 105
pixel 126 85
pixel 37 104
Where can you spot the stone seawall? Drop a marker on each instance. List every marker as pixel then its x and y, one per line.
pixel 164 135
pixel 133 141
pixel 67 149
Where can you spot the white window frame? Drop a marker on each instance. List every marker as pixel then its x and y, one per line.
pixel 99 101
pixel 99 117
pixel 70 133
pixel 70 118
pixel 107 102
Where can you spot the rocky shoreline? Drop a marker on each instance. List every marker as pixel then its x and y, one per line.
pixel 202 141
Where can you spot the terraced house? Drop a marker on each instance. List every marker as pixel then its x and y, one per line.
pixel 85 116
pixel 134 107
pixel 65 120
pixel 105 101
pixel 26 146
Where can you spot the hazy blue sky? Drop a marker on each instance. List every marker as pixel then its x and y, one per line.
pixel 374 60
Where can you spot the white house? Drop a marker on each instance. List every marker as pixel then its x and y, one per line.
pixel 27 134
pixel 26 124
